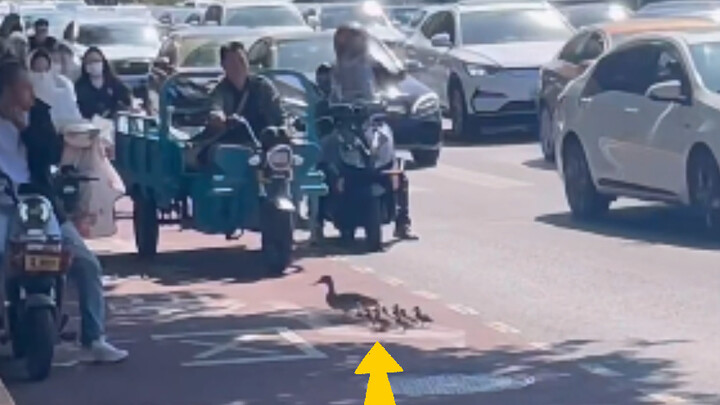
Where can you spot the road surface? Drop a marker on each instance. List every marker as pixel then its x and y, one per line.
pixel 530 307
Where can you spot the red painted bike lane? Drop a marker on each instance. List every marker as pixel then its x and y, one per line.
pixel 205 327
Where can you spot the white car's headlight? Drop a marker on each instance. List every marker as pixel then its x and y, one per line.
pixel 280 158
pixel 34 212
pixel 474 69
pixel 426 104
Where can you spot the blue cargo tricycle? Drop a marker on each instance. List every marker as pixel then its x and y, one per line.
pixel 248 186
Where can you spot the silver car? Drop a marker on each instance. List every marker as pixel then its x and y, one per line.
pixel 483 59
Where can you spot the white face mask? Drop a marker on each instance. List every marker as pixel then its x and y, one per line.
pixel 94 69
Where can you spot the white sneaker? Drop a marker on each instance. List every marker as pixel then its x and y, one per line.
pixel 101 351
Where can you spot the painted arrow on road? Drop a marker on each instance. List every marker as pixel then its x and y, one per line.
pixel 378 363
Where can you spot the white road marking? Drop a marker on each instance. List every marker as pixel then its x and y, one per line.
pixel 463 309
pixel 426 294
pixel 540 346
pixel 600 370
pixel 665 398
pixel 243 336
pixel 363 269
pixel 456 384
pixel 504 328
pixel 476 178
pixel 393 281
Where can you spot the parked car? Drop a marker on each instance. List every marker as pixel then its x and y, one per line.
pixel 129 43
pixel 588 13
pixel 581 51
pixel 57 19
pixel 415 113
pixel 643 123
pixel 330 15
pixel 406 18
pixel 680 8
pixel 483 59
pixel 256 14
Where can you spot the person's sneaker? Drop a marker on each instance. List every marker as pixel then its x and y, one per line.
pixel 100 351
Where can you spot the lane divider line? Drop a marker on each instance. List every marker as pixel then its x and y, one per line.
pixel 426 294
pixel 503 328
pixel 540 346
pixel 600 370
pixel 463 309
pixel 665 398
pixel 393 281
pixel 363 269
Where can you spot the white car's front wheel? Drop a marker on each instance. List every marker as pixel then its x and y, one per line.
pixel 458 111
pixel 582 196
pixel 704 187
pixel 547 143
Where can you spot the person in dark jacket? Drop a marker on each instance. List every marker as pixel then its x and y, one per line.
pixel 41 39
pixel 29 146
pixel 99 91
pixel 238 94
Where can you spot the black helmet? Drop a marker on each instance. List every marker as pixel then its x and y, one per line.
pixel 350 38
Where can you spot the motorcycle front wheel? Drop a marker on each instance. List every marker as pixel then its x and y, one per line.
pixel 373 226
pixel 277 237
pixel 40 324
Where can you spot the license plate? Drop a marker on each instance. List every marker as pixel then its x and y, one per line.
pixel 41 263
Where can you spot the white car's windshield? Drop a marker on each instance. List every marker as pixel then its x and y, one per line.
pixel 333 16
pixel 264 16
pixel 118 34
pixel 202 52
pixel 678 9
pixel 588 14
pixel 706 57
pixel 493 27
pixel 56 21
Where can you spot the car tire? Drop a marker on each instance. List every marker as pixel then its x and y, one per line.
pixel 458 111
pixel 704 188
pixel 425 157
pixel 545 134
pixel 582 196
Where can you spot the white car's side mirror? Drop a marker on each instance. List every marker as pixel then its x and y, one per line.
pixel 441 40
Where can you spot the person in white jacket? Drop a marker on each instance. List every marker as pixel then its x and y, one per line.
pixel 85 146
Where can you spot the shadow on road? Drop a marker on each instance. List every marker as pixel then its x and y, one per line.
pixel 652 224
pixel 169 365
pixel 540 164
pixel 510 138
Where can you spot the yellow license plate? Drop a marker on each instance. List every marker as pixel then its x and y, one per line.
pixel 41 263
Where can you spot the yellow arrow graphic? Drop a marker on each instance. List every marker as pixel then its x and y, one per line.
pixel 378 363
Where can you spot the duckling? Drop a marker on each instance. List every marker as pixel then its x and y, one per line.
pixel 345 302
pixel 380 323
pixel 423 319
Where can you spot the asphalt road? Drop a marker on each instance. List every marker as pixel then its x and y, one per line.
pixel 530 307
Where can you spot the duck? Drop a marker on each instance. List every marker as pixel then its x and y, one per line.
pixel 402 319
pixel 345 302
pixel 423 319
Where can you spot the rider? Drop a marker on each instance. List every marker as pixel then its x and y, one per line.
pixel 354 78
pixel 29 146
pixel 239 93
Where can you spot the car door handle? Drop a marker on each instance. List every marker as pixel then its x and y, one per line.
pixel 631 110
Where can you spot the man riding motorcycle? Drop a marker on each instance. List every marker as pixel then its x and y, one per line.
pixel 239 93
pixel 354 78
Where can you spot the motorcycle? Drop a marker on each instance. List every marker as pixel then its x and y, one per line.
pixel 273 160
pixel 34 277
pixel 364 181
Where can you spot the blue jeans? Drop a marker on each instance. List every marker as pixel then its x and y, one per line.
pixel 86 272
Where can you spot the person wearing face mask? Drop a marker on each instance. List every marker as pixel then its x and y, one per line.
pixel 238 93
pixel 99 91
pixel 54 89
pixel 29 146
pixel 41 38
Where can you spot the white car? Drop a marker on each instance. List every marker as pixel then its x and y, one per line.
pixel 256 14
pixel 644 122
pixel 483 58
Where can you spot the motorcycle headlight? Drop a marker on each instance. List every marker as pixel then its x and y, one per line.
pixel 474 69
pixel 280 157
pixel 426 105
pixel 34 212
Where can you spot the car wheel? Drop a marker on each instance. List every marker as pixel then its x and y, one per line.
pixel 458 112
pixel 545 133
pixel 704 187
pixel 426 158
pixel 582 196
